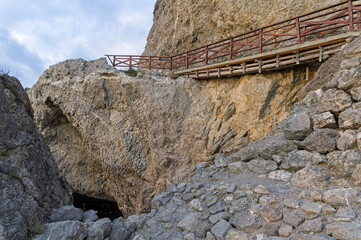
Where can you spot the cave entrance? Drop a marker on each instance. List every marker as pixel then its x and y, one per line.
pixel 105 209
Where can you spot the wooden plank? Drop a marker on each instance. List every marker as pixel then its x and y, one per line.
pixel 273 53
pixel 265 68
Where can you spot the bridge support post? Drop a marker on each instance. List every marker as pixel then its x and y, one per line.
pixel 150 63
pixel 187 60
pixel 350 15
pixel 171 63
pixel 130 63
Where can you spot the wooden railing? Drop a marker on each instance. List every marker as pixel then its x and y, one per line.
pixel 332 20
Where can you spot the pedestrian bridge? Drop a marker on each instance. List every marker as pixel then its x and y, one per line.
pixel 300 40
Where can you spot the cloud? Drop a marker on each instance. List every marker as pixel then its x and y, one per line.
pixel 41 33
pixel 16 59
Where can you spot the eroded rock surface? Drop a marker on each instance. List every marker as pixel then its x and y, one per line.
pixel 121 138
pixel 29 178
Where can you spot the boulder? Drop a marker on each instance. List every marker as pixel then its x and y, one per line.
pixel 296 160
pixel 334 101
pixel 30 186
pixel 321 140
pixel 356 174
pixel 324 120
pixel 119 233
pixel 272 213
pixel 298 127
pixel 347 140
pixel 358 140
pixel 315 177
pixel 349 78
pixel 65 230
pixel 236 167
pixel 90 216
pixel 244 154
pixel 99 229
pixel 66 213
pixel 220 229
pixel 280 175
pixel 345 197
pixel 278 145
pixel 342 164
pixel 350 63
pixel 294 217
pixel 245 222
pixel 356 93
pixel 285 230
pixel 314 225
pixel 234 234
pixel 350 118
pixel 344 230
pixel 261 166
pixel 311 207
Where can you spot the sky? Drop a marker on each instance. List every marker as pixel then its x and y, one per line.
pixel 35 34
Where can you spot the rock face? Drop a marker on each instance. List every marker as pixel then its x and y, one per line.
pixel 125 139
pixel 29 178
pixel 182 25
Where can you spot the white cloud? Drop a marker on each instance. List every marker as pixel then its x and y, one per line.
pixel 53 31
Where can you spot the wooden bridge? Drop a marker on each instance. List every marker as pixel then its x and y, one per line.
pixel 302 39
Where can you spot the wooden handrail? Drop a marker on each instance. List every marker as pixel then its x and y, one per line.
pixel 327 21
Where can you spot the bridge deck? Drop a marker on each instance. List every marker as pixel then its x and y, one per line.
pixel 301 39
pixel 311 51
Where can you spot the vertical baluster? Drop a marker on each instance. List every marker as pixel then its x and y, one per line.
pixel 350 15
pixel 298 30
pixel 230 48
pixel 260 40
pixel 206 55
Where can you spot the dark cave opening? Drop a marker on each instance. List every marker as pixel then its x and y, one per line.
pixel 105 209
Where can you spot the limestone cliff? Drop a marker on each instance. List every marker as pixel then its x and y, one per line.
pixel 29 178
pixel 122 138
pixel 181 25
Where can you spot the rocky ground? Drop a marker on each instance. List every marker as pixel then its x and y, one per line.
pixel 301 182
pixel 29 178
